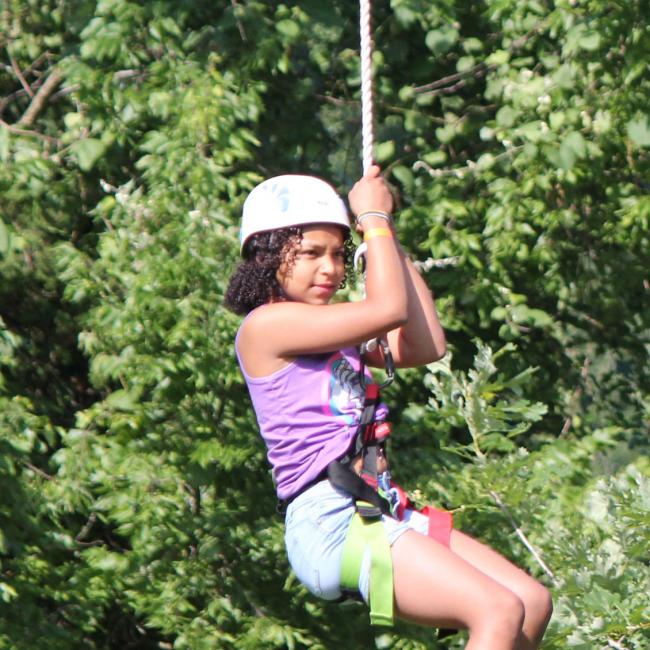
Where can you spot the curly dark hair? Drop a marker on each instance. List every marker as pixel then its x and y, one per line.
pixel 254 281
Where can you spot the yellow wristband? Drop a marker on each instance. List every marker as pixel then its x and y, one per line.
pixel 377 232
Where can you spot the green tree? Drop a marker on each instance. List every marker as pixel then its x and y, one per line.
pixel 137 508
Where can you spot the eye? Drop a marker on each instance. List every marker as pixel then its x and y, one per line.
pixel 308 252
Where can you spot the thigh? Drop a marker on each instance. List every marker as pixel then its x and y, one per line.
pixel 436 586
pixel 493 564
pixel 535 597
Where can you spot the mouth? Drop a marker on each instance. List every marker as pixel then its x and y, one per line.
pixel 325 288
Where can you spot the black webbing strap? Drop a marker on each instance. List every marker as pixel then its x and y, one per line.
pixel 369 502
pixel 366 440
pixel 283 504
pixel 342 476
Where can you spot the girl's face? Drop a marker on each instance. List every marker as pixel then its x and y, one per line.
pixel 318 267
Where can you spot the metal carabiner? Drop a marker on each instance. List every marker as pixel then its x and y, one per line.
pixel 371 345
pixel 389 365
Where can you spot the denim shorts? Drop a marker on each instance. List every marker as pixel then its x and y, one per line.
pixel 316 526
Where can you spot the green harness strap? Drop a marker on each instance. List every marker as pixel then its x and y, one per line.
pixel 365 535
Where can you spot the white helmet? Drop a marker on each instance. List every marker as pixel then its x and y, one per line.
pixel 291 200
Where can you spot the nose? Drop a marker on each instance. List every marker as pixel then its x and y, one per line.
pixel 329 264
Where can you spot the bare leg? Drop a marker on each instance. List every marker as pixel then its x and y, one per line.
pixel 534 596
pixel 436 586
pixel 469 586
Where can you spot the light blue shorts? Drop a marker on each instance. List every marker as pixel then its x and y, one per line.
pixel 316 526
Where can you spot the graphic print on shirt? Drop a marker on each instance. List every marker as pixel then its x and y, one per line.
pixel 343 393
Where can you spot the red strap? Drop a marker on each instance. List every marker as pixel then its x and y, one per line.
pixel 372 392
pixel 369 479
pixel 440 523
pixel 376 432
pixel 382 430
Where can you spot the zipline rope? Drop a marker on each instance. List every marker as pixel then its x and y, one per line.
pixel 367 147
pixel 367 119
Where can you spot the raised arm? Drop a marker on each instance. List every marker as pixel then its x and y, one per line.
pixel 421 339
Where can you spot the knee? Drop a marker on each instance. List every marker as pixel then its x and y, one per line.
pixel 512 612
pixel 538 604
pixel 503 615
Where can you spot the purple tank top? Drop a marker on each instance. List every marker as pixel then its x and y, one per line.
pixel 308 413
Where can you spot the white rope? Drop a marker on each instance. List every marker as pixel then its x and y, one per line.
pixel 367 120
pixel 367 123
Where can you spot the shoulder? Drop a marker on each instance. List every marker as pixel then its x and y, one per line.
pixel 254 342
pixel 283 315
pixel 258 321
pixel 252 329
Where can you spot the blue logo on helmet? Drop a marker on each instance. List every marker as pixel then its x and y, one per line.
pixel 281 194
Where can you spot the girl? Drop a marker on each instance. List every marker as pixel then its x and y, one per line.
pixel 299 355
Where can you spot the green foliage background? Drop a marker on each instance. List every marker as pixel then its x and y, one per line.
pixel 136 507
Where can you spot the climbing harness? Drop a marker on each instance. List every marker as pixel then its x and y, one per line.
pixel 375 494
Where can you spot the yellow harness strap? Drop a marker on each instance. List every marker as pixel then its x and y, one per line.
pixel 368 535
